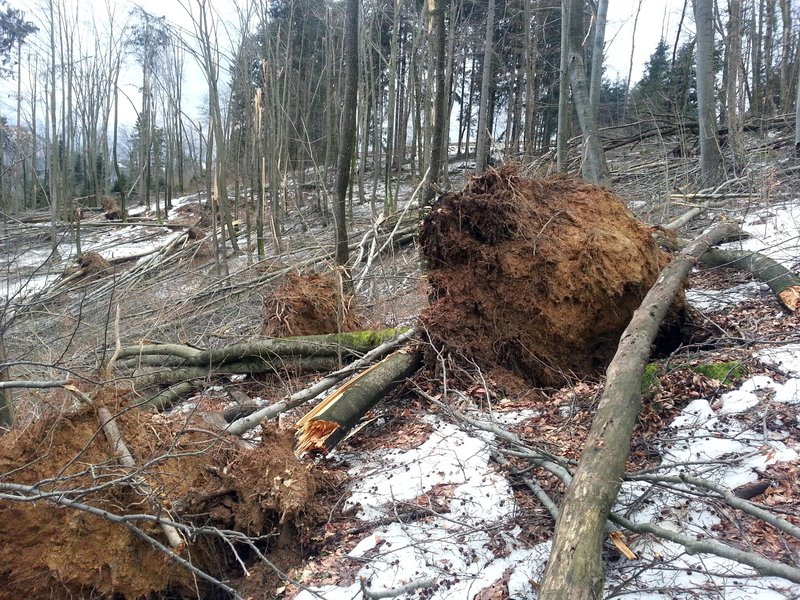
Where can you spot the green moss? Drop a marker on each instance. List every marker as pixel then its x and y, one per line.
pixel 650 382
pixel 724 372
pixel 356 341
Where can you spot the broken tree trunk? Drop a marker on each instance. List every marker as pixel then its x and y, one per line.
pixel 574 569
pixel 330 421
pixel 783 283
pixel 247 423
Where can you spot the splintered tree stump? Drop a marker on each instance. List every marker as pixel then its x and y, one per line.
pixel 539 277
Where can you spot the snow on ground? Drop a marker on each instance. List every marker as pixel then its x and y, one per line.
pixel 468 544
pixel 774 231
pixel 712 301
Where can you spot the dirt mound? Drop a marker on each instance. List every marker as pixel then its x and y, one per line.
pixel 539 277
pixel 310 304
pixel 111 209
pixel 52 551
pixel 93 264
pixel 192 214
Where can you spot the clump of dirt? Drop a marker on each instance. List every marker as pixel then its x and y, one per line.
pixel 112 210
pixel 53 550
pixel 94 264
pixel 539 277
pixel 310 304
pixel 192 214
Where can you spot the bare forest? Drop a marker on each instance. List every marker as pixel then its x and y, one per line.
pixel 407 299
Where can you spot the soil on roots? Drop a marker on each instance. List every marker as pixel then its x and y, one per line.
pixel 51 550
pixel 310 304
pixel 539 277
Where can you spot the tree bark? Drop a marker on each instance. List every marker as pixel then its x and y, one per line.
pixel 574 569
pixel 593 165
pixel 564 109
pixel 710 154
pixel 483 134
pixel 347 129
pixel 797 121
pixel 733 59
pixel 782 282
pixel 436 10
pixel 328 424
pixel 597 56
pixel 6 394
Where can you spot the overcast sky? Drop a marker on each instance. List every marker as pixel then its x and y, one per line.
pixel 657 18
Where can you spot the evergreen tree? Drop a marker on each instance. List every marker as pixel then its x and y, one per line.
pixel 13 31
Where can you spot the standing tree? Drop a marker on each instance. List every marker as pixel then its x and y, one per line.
pixel 484 135
pixel 13 31
pixel 710 154
pixel 436 10
pixel 347 128
pixel 597 56
pixel 149 38
pixel 593 165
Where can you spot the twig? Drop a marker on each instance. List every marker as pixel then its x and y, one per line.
pixel 398 591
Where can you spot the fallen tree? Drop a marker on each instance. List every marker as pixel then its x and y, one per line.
pixel 331 420
pixel 784 283
pixel 184 367
pixel 574 569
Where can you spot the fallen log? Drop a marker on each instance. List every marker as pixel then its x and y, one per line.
pixel 574 569
pixel 247 423
pixel 187 366
pixel 783 283
pixel 331 420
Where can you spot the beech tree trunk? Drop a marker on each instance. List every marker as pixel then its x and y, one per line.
pixel 710 154
pixel 328 424
pixel 347 129
pixel 483 134
pixel 597 56
pixel 782 282
pixel 574 569
pixel 593 165
pixel 436 10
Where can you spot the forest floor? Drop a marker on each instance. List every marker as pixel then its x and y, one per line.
pixel 417 495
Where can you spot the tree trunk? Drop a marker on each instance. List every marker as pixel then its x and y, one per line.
pixel 733 60
pixel 597 56
pixel 328 423
pixel 347 129
pixel 436 10
pixel 782 282
pixel 564 108
pixel 483 134
pixel 786 48
pixel 710 154
pixel 593 165
pixel 574 569
pixel 6 394
pixel 797 120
